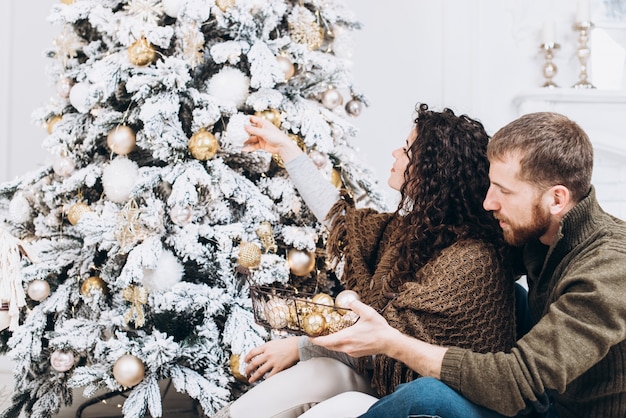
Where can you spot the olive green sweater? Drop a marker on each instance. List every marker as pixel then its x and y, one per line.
pixel 576 352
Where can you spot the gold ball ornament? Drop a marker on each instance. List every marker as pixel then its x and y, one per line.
pixel 62 361
pixel 335 178
pixel 300 262
pixel 224 4
pixel 203 145
pixel 122 140
pixel 235 363
pixel 286 66
pixel 53 121
pixel 277 313
pixel 249 255
pixel 335 322
pixel 324 303
pixel 93 284
pixel 314 324
pixel 38 290
pixel 343 300
pixel 128 370
pixel 141 53
pixel 76 212
pixel 273 115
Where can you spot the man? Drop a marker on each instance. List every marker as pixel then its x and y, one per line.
pixel 572 362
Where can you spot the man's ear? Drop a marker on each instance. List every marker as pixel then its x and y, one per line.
pixel 561 200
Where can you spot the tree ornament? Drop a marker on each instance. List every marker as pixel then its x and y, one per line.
pixel 266 235
pixel 335 178
pixel 319 159
pixel 68 1
pixel 277 313
pixel 304 29
pixel 64 87
pixel 165 275
pixel 300 262
pixel 172 7
pixel 332 98
pixel 121 140
pixel 76 212
pixel 203 145
pixel 79 97
pixel 93 285
pixel 5 318
pixel 137 296
pixel 20 210
pixel 128 370
pixel 62 360
pixel 324 303
pixel 181 215
pixel 343 299
pixel 38 290
pixel 63 166
pixel 273 115
pixel 53 121
pixel 354 107
pixel 224 4
pixel 118 179
pixel 141 53
pixel 249 255
pixel 286 66
pixel 298 141
pixel 235 364
pixel 337 321
pixel 314 324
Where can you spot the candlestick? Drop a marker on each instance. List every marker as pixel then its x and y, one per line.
pixel 549 68
pixel 583 52
pixel 582 11
pixel 547 33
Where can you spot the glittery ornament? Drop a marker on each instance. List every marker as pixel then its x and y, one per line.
pixel 128 370
pixel 224 4
pixel 137 296
pixel 141 52
pixel 249 255
pixel 203 145
pixel 93 284
pixel 314 324
pixel 61 360
pixel 335 178
pixel 76 212
pixel 38 290
pixel 266 235
pixel 121 140
pixel 235 364
pixel 273 115
pixel 300 262
pixel 304 29
pixel 277 313
pixel 344 298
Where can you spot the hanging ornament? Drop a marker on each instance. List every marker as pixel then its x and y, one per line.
pixel 76 212
pixel 172 7
pixel 38 290
pixel 63 166
pixel 273 115
pixel 53 121
pixel 295 139
pixel 61 360
pixel 235 364
pixel 301 262
pixel 354 107
pixel 266 235
pixel 224 4
pixel 314 324
pixel 165 275
pixel 324 303
pixel 20 210
pixel 137 296
pixel 337 322
pixel 118 179
pixel 141 52
pixel 335 178
pixel 286 66
pixel 121 140
pixel 128 370
pixel 343 299
pixel 332 98
pixel 181 215
pixel 203 145
pixel 249 255
pixel 93 285
pixel 303 28
pixel 80 97
pixel 277 313
pixel 320 160
pixel 64 86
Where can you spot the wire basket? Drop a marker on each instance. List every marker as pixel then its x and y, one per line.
pixel 298 313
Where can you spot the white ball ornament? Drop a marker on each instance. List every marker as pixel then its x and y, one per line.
pixel 79 97
pixel 121 140
pixel 38 290
pixel 62 361
pixel 63 166
pixel 181 215
pixel 172 7
pixel 167 273
pixel 118 179
pixel 332 98
pixel 64 86
pixel 19 209
pixel 230 87
pixel 128 370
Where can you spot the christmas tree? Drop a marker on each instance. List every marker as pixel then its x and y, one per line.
pixel 137 247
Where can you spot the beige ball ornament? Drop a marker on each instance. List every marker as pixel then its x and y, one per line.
pixel 286 66
pixel 300 262
pixel 324 303
pixel 332 98
pixel 343 300
pixel 76 212
pixel 141 53
pixel 203 145
pixel 249 255
pixel 122 140
pixel 62 361
pixel 277 313
pixel 128 370
pixel 314 324
pixel 272 115
pixel 38 290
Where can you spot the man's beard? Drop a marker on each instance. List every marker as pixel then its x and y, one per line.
pixel 518 235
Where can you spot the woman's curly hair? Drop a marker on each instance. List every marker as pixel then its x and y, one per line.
pixel 445 184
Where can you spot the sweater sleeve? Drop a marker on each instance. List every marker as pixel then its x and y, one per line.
pixel 317 192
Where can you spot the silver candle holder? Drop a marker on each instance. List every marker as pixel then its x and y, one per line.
pixel 549 68
pixel 583 52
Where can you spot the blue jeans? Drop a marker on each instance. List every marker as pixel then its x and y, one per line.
pixel 427 397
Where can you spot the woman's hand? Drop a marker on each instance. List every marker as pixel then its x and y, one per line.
pixel 271 357
pixel 264 135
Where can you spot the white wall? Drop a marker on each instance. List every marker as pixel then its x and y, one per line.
pixel 474 56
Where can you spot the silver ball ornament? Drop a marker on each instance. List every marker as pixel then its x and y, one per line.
pixel 354 107
pixel 62 361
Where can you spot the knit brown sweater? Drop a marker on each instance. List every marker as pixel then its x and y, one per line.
pixel 463 296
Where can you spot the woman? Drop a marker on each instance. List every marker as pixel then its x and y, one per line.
pixel 435 267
